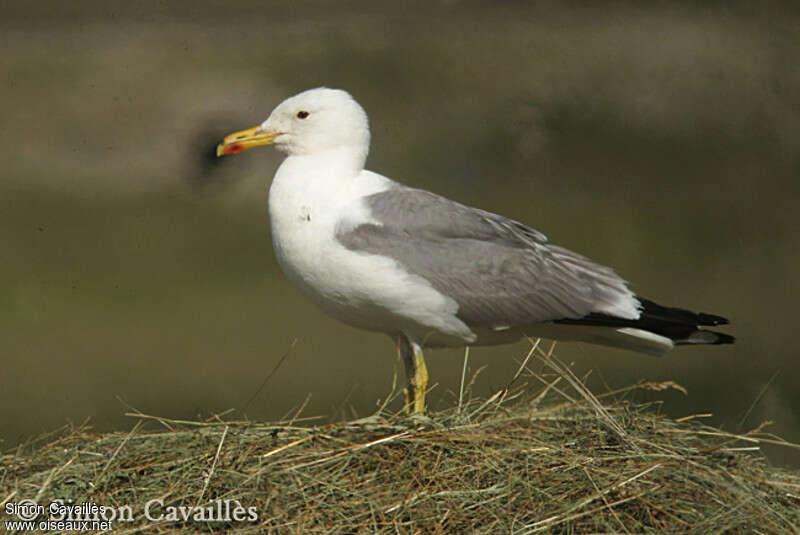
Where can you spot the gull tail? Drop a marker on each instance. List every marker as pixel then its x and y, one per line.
pixel 658 328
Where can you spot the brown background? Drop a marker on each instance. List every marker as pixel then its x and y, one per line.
pixel 660 140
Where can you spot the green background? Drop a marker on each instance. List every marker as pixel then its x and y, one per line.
pixel 137 270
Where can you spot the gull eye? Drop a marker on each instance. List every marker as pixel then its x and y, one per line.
pixel 302 114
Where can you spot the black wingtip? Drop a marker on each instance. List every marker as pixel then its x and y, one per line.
pixel 711 319
pixel 679 325
pixel 702 336
pixel 723 338
pixel 671 314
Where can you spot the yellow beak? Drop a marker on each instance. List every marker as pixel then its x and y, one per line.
pixel 245 139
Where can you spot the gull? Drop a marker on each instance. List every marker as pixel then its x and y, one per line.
pixel 426 270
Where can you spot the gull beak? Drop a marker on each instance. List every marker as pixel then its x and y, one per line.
pixel 245 139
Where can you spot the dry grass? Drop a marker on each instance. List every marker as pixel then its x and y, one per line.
pixel 546 456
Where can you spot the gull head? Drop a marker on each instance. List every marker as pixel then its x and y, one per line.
pixel 314 121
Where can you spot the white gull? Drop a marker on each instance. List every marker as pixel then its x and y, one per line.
pixel 426 270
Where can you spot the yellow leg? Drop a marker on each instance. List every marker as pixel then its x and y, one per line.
pixel 417 374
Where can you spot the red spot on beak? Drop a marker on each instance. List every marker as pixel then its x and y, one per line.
pixel 236 148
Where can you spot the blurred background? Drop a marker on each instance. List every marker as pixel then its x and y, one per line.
pixel 137 270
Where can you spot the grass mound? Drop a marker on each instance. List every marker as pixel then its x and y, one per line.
pixel 550 458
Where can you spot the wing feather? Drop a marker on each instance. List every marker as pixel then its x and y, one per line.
pixel 501 273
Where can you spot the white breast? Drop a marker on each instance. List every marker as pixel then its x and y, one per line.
pixel 308 200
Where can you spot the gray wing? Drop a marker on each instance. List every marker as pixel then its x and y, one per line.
pixel 499 271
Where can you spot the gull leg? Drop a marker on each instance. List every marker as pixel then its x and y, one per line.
pixel 417 374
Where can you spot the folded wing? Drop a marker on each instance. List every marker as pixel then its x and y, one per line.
pixel 499 271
